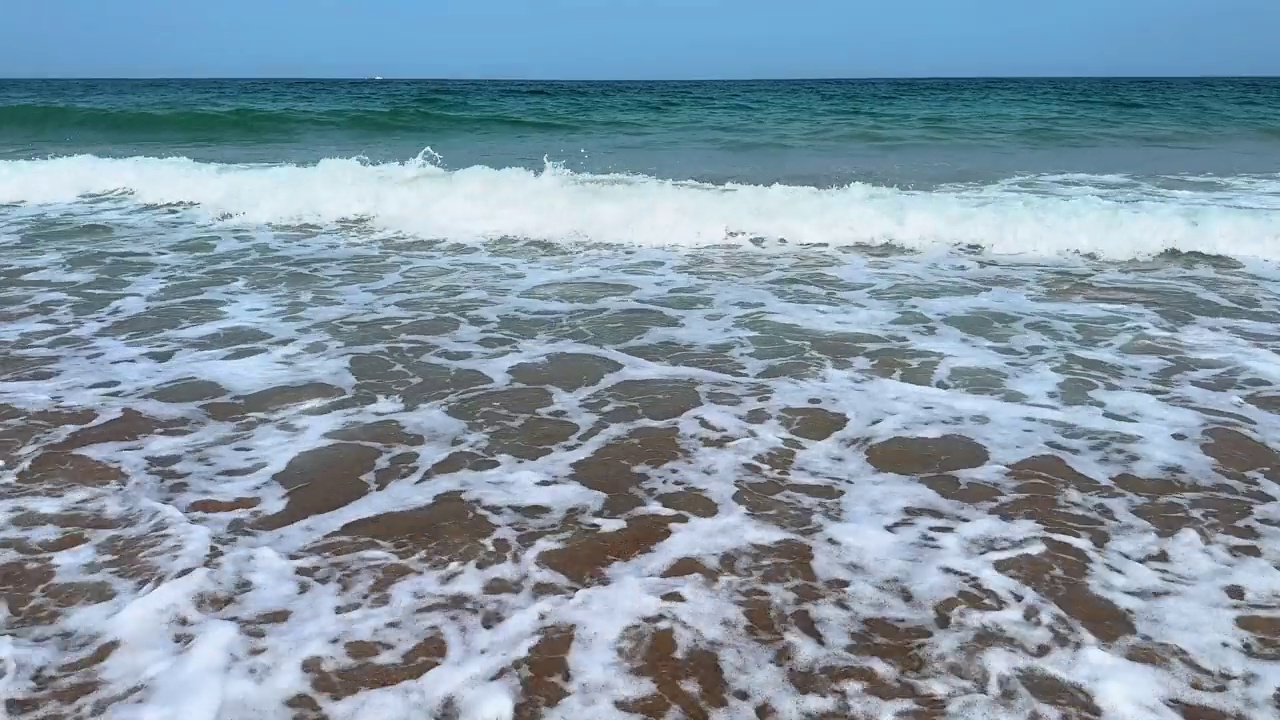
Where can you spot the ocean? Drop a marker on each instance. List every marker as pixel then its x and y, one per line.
pixel 779 400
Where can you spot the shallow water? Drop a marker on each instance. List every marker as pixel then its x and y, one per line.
pixel 974 419
pixel 278 472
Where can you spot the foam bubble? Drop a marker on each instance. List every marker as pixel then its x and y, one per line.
pixel 491 701
pixel 257 471
pixel 1034 216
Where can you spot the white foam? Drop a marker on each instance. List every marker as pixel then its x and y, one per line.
pixel 491 701
pixel 1038 216
pixel 874 536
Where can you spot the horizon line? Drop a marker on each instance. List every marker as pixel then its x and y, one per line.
pixel 819 78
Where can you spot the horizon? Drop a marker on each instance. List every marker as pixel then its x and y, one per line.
pixel 829 78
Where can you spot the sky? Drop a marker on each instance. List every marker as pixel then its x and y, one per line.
pixel 637 39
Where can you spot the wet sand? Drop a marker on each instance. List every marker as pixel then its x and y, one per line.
pixel 899 660
pixel 790 522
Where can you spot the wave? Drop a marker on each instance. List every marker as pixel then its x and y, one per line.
pixel 1108 216
pixel 247 122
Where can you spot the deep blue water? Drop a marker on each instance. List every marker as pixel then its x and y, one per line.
pixel 916 133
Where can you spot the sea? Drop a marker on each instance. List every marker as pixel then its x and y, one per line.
pixel 443 400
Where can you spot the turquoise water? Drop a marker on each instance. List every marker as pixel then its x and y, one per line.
pixel 902 132
pixel 425 400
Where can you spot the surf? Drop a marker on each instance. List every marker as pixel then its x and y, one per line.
pixel 1110 217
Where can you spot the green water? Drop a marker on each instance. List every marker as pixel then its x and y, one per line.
pixel 820 132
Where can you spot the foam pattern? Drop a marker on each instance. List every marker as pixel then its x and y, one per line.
pixel 338 468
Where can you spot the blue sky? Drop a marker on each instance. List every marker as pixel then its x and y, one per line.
pixel 637 38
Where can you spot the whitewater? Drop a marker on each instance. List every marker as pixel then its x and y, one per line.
pixel 1114 217
pixel 788 401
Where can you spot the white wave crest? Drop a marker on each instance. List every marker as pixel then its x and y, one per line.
pixel 1040 216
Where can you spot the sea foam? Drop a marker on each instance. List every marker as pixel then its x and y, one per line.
pixel 1107 216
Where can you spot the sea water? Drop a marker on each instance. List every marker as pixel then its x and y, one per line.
pixel 884 399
